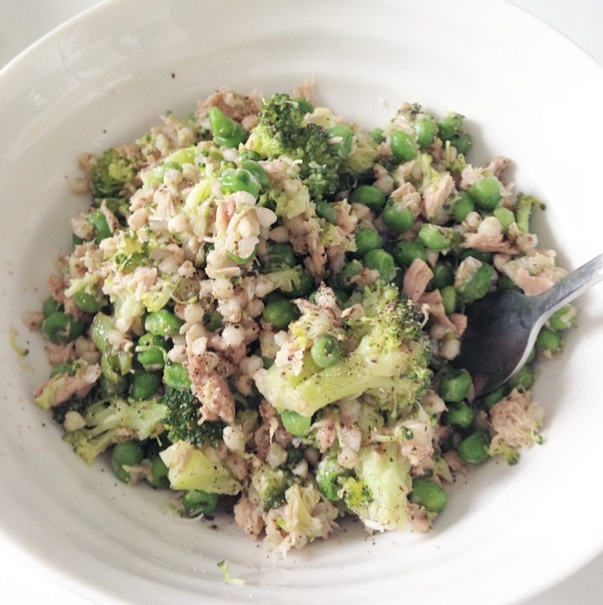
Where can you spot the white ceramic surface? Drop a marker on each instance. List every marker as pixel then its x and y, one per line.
pixel 511 532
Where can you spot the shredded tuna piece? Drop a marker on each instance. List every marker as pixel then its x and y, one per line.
pixel 436 194
pixel 58 353
pixel 516 419
pixel 419 448
pixel 210 387
pixel 78 385
pixel 419 518
pixel 417 277
pixel 489 243
pixel 33 319
pixel 534 273
pixel 433 304
pixel 249 517
pixel 231 104
pixel 498 165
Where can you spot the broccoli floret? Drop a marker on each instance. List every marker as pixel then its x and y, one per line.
pixel 282 130
pixel 389 363
pixel 358 166
pixel 111 173
pixel 199 469
pixel 183 421
pixel 378 493
pixel 271 485
pixel 109 422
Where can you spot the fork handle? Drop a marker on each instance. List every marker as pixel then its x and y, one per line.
pixel 570 287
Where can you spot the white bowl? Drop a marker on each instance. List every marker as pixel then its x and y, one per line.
pixel 104 78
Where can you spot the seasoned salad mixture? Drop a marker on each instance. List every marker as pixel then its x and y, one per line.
pixel 262 309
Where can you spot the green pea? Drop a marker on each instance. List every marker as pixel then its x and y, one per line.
pixel 306 285
pixel 197 502
pixel 280 313
pixel 304 104
pixel 487 401
pixel 429 494
pixel 100 226
pixel 274 295
pixel 463 206
pixel 443 275
pixel 295 423
pixel 50 306
pixel 214 321
pixel 163 323
pixel 280 254
pixel 248 154
pixel 378 135
pixel 61 328
pixel 150 351
pixel 505 217
pixel 175 375
pixel 426 130
pixel 129 453
pixel 459 414
pixel 267 362
pixel 548 340
pixel 461 141
pixel 403 145
pixel 369 195
pixel 260 175
pixel 481 255
pixel 326 211
pixel 405 252
pixel 381 261
pixel 367 239
pixel 109 388
pixel 88 303
pixel 433 238
pixel 506 283
pixel 115 365
pixel 348 271
pixel 474 448
pixel 478 285
pixel 326 351
pixel 448 294
pixel 159 473
pixel 239 180
pixel 342 296
pixel 397 218
pixel 524 379
pixel 455 385
pixel 342 138
pixel 144 384
pixel 564 318
pixel 449 125
pixel 486 192
pixel 227 132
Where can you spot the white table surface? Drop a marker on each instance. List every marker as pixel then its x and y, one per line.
pixel 23 22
